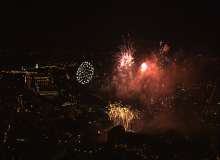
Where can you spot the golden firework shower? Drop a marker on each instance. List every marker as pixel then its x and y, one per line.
pixel 122 115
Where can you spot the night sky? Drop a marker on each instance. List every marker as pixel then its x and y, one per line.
pixel 34 25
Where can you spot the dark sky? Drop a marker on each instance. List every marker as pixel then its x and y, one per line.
pixel 49 24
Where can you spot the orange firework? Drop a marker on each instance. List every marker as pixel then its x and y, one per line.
pixel 122 115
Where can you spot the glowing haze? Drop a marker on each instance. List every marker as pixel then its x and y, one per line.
pixel 159 93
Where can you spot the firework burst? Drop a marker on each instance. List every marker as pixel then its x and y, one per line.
pixel 122 115
pixel 85 73
pixel 126 59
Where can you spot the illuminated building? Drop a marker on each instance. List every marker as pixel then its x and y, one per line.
pixel 41 84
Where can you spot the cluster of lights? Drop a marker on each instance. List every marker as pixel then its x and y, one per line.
pixel 85 73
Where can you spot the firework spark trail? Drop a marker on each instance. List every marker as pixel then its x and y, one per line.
pixel 123 72
pixel 122 115
pixel 126 59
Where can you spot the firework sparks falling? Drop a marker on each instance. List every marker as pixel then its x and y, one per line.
pixel 122 115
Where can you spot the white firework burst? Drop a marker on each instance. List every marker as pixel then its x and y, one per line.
pixel 126 57
pixel 85 73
